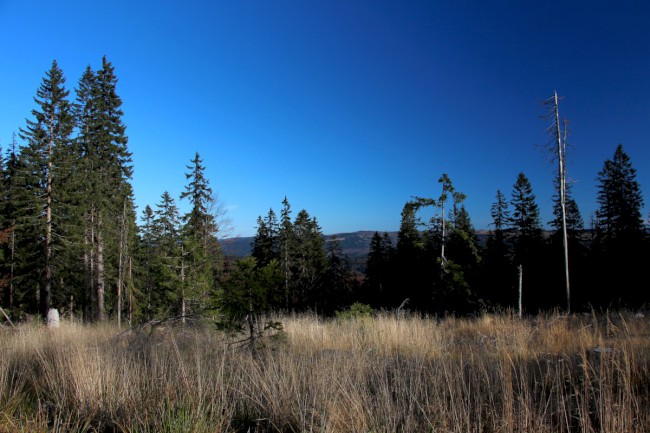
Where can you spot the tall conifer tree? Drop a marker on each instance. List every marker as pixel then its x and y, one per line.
pixel 287 241
pixel 199 222
pixel 525 218
pixel 147 251
pixel 498 281
pixel 338 284
pixel 107 160
pixel 620 200
pixel 409 255
pixel 12 212
pixel 201 251
pixel 168 258
pixel 377 284
pixel 309 256
pixel 114 175
pixel 85 112
pixel 265 243
pixel 47 134
pixel 464 256
pixel 529 242
pixel 620 243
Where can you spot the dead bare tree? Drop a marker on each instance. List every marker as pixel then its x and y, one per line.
pixel 557 148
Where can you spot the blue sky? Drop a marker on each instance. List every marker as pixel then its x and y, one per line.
pixel 348 108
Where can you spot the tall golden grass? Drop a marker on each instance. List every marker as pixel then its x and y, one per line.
pixel 380 374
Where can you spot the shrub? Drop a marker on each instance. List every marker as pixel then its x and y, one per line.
pixel 355 311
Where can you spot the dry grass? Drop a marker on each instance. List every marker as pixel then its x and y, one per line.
pixel 492 374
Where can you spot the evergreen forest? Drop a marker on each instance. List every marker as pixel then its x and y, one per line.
pixel 72 238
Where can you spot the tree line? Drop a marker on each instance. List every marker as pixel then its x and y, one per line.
pixel 70 237
pixel 441 266
pixel 438 265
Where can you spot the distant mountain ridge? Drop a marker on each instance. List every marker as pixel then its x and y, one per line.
pixel 354 245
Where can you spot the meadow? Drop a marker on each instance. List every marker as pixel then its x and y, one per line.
pixel 496 373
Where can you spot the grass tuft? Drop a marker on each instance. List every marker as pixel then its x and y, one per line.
pixel 491 374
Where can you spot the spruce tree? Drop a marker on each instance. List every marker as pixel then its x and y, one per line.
pixel 199 221
pixel 409 238
pixel 409 263
pixel 619 199
pixel 147 255
pixel 463 246
pixel 168 257
pixel 529 247
pixel 248 293
pixel 388 248
pixel 377 283
pixel 338 288
pixel 85 114
pixel 46 135
pixel 620 248
pixel 464 256
pixel 286 249
pixel 201 251
pixel 107 162
pixel 309 260
pixel 115 172
pixel 500 213
pixel 26 247
pixel 525 219
pixel 498 272
pixel 11 217
pixel 265 243
pixel 449 275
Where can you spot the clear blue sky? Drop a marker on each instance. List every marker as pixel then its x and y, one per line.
pixel 348 108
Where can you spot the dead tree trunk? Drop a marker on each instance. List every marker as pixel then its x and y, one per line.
pixel 561 158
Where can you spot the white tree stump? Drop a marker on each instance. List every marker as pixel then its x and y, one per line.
pixel 52 318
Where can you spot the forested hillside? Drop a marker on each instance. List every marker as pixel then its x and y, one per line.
pixel 71 237
pixel 354 245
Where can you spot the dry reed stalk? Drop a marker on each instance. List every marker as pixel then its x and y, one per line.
pixel 492 374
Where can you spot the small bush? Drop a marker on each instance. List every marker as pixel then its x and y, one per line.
pixel 356 311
